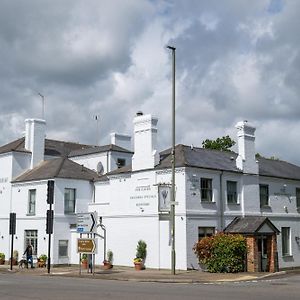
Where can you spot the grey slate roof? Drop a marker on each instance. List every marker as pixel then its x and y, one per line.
pixel 186 156
pixel 52 147
pixel 98 149
pixel 249 225
pixel 57 168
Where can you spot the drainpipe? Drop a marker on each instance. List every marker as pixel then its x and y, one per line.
pixel 221 202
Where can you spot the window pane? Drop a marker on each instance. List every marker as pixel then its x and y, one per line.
pixel 205 231
pixel 286 241
pixel 298 197
pixel 206 189
pixel 63 248
pixel 231 192
pixel 70 196
pixel 31 238
pixel 31 202
pixel 264 195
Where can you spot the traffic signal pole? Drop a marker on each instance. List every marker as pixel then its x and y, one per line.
pixel 49 223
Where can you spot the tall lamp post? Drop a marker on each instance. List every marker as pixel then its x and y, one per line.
pixel 172 204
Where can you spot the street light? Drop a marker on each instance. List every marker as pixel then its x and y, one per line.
pixel 172 203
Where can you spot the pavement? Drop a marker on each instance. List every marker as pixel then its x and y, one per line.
pixel 147 275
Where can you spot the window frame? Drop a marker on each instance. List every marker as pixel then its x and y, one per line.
pixel 266 195
pixel 206 189
pixel 232 193
pixel 66 246
pixel 297 198
pixel 68 201
pixel 31 236
pixel 31 203
pixel 121 162
pixel 207 231
pixel 286 246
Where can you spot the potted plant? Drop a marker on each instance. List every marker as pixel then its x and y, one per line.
pixel 15 257
pixel 84 261
pixel 107 263
pixel 141 253
pixel 42 260
pixel 2 258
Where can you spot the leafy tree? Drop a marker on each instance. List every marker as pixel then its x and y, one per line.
pixel 223 144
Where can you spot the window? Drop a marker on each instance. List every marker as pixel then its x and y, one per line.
pixel 264 195
pixel 231 192
pixel 63 248
pixel 70 195
pixel 286 241
pixel 121 162
pixel 206 189
pixel 298 197
pixel 31 202
pixel 205 231
pixel 31 237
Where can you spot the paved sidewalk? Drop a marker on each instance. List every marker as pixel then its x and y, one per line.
pixel 148 275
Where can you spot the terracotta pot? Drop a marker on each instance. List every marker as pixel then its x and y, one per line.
pixel 139 266
pixel 84 264
pixel 107 265
pixel 2 261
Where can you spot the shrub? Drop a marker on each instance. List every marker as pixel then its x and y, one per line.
pixel 2 256
pixel 222 252
pixel 141 250
pixel 43 257
pixel 110 256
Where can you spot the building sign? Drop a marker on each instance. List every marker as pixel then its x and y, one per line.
pixel 164 198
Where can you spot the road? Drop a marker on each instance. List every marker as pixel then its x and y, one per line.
pixel 19 286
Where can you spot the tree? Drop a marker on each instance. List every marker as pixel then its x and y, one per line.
pixel 222 144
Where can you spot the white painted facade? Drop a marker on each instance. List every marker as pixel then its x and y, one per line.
pixel 128 202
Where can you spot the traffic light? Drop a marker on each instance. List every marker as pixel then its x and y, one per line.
pixel 12 223
pixel 50 191
pixel 49 223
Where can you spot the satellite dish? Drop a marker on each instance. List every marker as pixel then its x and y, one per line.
pixel 100 168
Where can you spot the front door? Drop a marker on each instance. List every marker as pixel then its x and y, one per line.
pixel 262 243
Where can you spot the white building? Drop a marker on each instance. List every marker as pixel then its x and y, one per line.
pixel 212 189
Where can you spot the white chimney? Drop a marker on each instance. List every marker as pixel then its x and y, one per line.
pixel 246 160
pixel 145 139
pixel 35 140
pixel 121 140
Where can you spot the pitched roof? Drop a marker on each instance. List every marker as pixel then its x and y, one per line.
pixel 52 147
pixel 98 149
pixel 57 168
pixel 249 225
pixel 187 156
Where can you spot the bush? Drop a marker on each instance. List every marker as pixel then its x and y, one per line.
pixel 43 257
pixel 141 250
pixel 2 256
pixel 222 252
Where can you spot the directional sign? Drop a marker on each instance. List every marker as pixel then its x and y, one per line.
pixel 86 222
pixel 86 246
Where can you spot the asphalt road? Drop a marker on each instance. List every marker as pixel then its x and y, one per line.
pixel 20 286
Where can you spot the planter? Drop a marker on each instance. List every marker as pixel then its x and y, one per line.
pixel 41 263
pixel 2 261
pixel 107 265
pixel 139 266
pixel 84 264
pixel 14 262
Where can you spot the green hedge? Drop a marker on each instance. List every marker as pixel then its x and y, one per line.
pixel 222 253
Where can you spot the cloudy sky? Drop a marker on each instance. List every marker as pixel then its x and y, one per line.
pixel 235 60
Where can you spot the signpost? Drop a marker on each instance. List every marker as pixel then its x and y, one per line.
pixel 87 222
pixel 86 245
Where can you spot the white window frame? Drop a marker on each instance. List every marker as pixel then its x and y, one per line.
pixel 31 202
pixel 67 201
pixel 206 189
pixel 286 241
pixel 232 195
pixel 31 237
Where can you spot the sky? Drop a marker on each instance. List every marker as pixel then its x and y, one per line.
pixel 235 60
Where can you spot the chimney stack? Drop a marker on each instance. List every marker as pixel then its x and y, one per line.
pixel 35 140
pixel 246 160
pixel 145 142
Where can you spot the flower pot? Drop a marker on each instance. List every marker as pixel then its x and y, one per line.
pixel 139 266
pixel 107 265
pixel 2 261
pixel 84 264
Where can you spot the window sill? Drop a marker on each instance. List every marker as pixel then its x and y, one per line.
pixel 287 256
pixel 265 207
pixel 208 202
pixel 70 213
pixel 233 204
pixel 30 215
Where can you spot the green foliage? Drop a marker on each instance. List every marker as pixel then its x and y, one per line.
pixel 110 256
pixel 2 256
pixel 16 255
pixel 83 257
pixel 43 257
pixel 223 144
pixel 222 252
pixel 141 250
